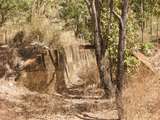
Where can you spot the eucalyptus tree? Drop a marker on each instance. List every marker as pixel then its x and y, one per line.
pixel 95 10
pixel 122 18
pixel 76 17
pixel 141 8
pixel 156 11
pixel 153 11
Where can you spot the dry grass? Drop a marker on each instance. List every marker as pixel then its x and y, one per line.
pixel 141 96
pixel 90 75
pixel 40 29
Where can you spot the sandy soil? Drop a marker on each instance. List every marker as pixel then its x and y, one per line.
pixel 18 103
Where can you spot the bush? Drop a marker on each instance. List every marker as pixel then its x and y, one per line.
pixel 146 48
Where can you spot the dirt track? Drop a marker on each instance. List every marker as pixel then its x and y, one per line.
pixel 18 103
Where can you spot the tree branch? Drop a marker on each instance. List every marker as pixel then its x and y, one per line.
pixel 118 17
pixel 88 3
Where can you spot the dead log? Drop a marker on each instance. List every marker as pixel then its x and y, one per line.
pixel 144 60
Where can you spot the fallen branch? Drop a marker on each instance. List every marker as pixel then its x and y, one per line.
pixel 144 60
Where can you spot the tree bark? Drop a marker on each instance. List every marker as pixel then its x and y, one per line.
pixel 121 54
pixel 3 18
pixel 151 25
pixel 100 44
pixel 100 48
pixel 60 85
pixel 110 6
pixel 142 21
pixel 157 36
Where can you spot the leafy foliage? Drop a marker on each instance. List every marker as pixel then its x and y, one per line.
pixel 76 16
pixel 12 8
pixel 146 48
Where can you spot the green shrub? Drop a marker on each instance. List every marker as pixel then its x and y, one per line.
pixel 146 48
pixel 132 63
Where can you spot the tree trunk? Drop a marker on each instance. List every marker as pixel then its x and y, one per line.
pixel 120 64
pixel 3 19
pixel 60 85
pixel 110 6
pixel 157 36
pixel 142 21
pixel 151 25
pixel 100 48
pixel 142 31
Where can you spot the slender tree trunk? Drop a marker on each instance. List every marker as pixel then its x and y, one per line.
pixel 142 21
pixel 3 19
pixel 120 64
pixel 146 25
pixel 100 48
pixel 151 25
pixel 157 36
pixel 110 6
pixel 142 31
pixel 60 85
